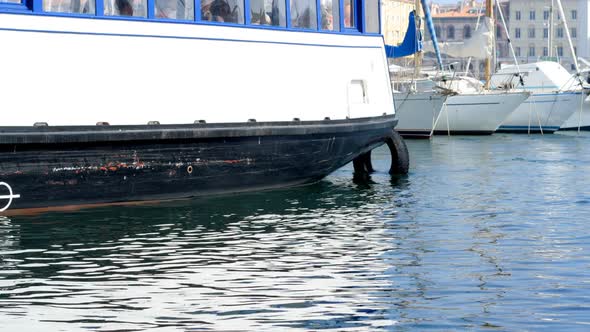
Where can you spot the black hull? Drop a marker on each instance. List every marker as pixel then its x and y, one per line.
pixel 581 128
pixel 52 166
pixel 415 134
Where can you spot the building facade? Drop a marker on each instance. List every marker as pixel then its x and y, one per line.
pixel 456 23
pixel 538 31
pixel 394 19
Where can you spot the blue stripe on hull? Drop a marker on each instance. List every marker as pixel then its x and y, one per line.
pixel 527 129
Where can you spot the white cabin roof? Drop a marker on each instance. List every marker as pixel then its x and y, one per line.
pixel 538 77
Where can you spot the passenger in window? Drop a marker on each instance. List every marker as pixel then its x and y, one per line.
pixel 174 9
pixel 327 20
pixel 347 14
pixel 69 6
pixel 258 14
pixel 303 14
pixel 221 11
pixel 330 14
pixel 124 7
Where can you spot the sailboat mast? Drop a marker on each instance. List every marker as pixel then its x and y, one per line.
pixel 488 63
pixel 550 39
pixel 567 34
pixel 418 55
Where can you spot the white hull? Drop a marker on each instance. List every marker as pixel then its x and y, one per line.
pixel 81 71
pixel 579 119
pixel 417 112
pixel 546 111
pixel 477 113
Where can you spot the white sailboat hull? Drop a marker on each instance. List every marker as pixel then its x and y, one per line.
pixel 417 112
pixel 579 119
pixel 477 114
pixel 543 111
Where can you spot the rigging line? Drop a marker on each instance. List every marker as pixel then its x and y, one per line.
pixel 580 115
pixel 521 79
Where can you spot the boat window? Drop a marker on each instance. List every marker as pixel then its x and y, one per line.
pixel 349 14
pixel 330 14
pixel 69 6
pixel 372 16
pixel 10 1
pixel 304 14
pixel 268 12
pixel 135 8
pixel 229 11
pixel 175 9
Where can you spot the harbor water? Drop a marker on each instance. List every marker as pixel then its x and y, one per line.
pixel 484 234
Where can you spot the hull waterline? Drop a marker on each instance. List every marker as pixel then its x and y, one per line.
pixel 545 112
pixel 477 114
pixel 52 167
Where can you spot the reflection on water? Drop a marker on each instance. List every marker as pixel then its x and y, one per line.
pixel 485 233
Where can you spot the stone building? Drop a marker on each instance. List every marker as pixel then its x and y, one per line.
pixel 394 19
pixel 535 38
pixel 458 22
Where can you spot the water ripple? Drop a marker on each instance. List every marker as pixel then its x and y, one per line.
pixel 485 233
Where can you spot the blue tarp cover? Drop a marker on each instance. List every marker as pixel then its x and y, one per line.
pixel 411 44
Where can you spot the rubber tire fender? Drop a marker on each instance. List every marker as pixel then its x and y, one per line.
pixel 400 157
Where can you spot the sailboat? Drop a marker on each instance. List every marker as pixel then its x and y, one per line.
pixel 417 111
pixel 475 109
pixel 580 120
pixel 469 109
pixel 556 94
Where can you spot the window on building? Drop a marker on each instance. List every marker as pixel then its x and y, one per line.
pixel 545 51
pixel 498 33
pixel 438 31
pixel 546 15
pixel 467 32
pixel 303 14
pixel 531 32
pixel 574 33
pixel 175 9
pixel 517 51
pixel 517 15
pixel 575 50
pixel 78 7
pixel 531 51
pixel 574 14
pixel 532 15
pixel 124 8
pixel 517 33
pixel 560 50
pixel 560 32
pixel 545 33
pixel 270 12
pixel 451 32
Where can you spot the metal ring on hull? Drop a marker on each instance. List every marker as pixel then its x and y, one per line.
pixel 9 197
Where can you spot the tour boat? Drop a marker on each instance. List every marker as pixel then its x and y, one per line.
pixel 120 101
pixel 556 96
